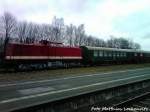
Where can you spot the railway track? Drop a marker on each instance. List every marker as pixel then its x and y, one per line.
pixel 90 90
pixel 139 103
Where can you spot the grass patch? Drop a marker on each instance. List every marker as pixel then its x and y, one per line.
pixel 50 74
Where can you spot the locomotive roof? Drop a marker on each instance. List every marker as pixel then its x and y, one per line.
pixel 39 44
pixel 116 49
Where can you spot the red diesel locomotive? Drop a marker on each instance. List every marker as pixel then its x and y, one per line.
pixel 17 54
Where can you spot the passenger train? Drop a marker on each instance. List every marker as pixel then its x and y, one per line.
pixel 18 55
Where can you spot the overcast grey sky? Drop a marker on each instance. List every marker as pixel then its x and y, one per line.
pixel 102 18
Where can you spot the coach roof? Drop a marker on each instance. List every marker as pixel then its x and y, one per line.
pixel 116 49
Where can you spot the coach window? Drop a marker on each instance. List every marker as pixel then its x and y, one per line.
pixel 105 54
pixel 121 54
pixel 118 54
pixel 114 54
pixel 147 55
pixel 125 54
pixel 110 54
pixel 101 53
pixel 141 54
pixel 95 53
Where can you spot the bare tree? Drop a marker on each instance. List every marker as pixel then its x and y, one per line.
pixel 57 28
pixel 45 32
pixel 79 35
pixel 70 34
pixel 136 46
pixel 89 41
pixel 122 43
pixel 32 32
pixel 1 36
pixel 1 44
pixel 9 27
pixel 9 24
pixel 22 31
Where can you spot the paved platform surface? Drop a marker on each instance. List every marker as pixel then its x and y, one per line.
pixel 23 94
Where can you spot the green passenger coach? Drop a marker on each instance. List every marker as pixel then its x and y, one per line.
pixel 101 55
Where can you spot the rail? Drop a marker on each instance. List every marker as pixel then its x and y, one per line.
pixel 136 104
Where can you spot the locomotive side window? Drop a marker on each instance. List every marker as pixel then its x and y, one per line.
pixel 141 54
pixel 135 54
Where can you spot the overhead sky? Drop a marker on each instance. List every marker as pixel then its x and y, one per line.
pixel 102 18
